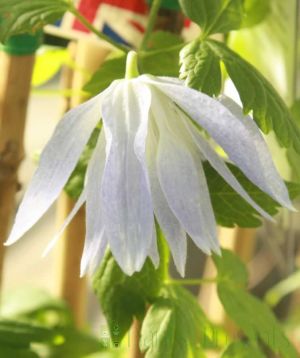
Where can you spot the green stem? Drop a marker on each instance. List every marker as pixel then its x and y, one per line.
pixel 151 22
pixel 191 282
pixel 102 36
pixel 131 65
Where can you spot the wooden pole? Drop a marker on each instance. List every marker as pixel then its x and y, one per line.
pixel 15 79
pixel 88 55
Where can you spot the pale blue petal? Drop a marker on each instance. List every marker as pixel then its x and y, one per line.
pixel 94 221
pixel 219 165
pixel 57 162
pixel 127 206
pixel 181 178
pixel 237 134
pixel 170 226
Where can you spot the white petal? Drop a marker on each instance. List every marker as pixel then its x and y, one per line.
pixel 94 221
pixel 80 201
pixel 99 254
pixel 237 134
pixel 170 226
pixel 127 206
pixel 57 162
pixel 218 164
pixel 181 178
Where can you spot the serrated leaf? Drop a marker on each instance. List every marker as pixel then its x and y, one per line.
pixel 230 267
pixel 174 326
pixel 251 315
pixel 214 16
pixel 19 16
pixel 259 96
pixel 124 297
pixel 242 350
pixel 200 68
pixel 230 209
pixel 255 318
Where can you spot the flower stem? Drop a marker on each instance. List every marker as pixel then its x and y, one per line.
pixel 151 22
pixel 191 282
pixel 102 36
pixel 132 65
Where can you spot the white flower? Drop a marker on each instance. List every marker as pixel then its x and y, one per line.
pixel 147 163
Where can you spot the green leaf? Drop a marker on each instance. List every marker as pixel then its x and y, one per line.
pixel 200 68
pixel 163 39
pixel 21 334
pixel 253 316
pixel 112 69
pixel 124 297
pixel 258 95
pixel 161 60
pixel 283 288
pixel 230 267
pixel 214 16
pixel 75 344
pixel 75 183
pixel 174 326
pixel 242 350
pixel 230 208
pixel 14 352
pixel 19 16
pixel 27 301
pixel 255 12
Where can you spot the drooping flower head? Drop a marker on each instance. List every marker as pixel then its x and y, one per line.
pixel 148 164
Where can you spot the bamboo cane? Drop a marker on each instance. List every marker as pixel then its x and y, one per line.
pixel 88 56
pixel 17 65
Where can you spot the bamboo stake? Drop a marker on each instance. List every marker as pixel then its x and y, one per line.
pixel 88 55
pixel 14 93
pixel 134 340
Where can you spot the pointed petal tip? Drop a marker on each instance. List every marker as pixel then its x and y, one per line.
pixel 11 239
pixel 181 271
pixel 217 250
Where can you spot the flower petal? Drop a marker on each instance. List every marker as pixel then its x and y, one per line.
pixel 168 222
pixel 127 206
pixel 80 201
pixel 94 220
pixel 100 250
pixel 219 165
pixel 237 134
pixel 181 178
pixel 57 162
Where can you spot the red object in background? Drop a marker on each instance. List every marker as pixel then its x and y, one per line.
pixel 89 9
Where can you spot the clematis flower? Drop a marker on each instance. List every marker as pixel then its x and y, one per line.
pixel 147 165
